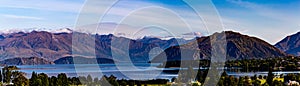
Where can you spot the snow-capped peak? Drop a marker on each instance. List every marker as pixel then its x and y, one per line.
pixel 63 30
pixel 25 30
pixel 28 30
pixel 196 34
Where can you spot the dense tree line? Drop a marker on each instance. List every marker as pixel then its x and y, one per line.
pixel 42 79
pixel 289 63
pixel 10 74
pixel 247 65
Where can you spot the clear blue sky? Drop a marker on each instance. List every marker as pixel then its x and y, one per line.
pixel 270 20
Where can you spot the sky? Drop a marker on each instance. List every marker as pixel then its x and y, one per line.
pixel 270 20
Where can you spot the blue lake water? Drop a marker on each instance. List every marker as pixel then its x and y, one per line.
pixel 142 71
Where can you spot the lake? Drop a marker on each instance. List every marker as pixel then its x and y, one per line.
pixel 141 71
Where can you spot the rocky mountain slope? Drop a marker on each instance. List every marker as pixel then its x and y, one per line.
pixel 26 61
pixel 238 47
pixel 60 48
pixel 54 46
pixel 82 60
pixel 290 44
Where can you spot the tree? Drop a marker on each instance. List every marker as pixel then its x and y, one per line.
pixel 82 79
pixel 247 81
pixel 278 83
pixel 291 67
pixel 231 81
pixel 44 79
pixel 96 81
pixel 34 79
pixel 6 72
pixel 256 82
pixel 39 82
pixel 62 80
pixel 173 79
pixel 89 78
pixel 20 80
pixel 241 81
pixel 53 81
pixel 73 81
pixel 224 74
pixel 15 74
pixel 112 80
pixel 123 82
pixel 270 76
pixel 0 78
pixel 104 81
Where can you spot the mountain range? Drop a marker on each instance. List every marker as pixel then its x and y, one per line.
pixel 290 44
pixel 238 47
pixel 55 46
pixel 42 47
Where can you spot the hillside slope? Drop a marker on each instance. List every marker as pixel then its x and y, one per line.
pixel 238 47
pixel 290 44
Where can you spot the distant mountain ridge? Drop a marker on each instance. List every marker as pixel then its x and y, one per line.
pixel 82 60
pixel 238 47
pixel 28 30
pixel 54 46
pixel 290 44
pixel 57 47
pixel 26 61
